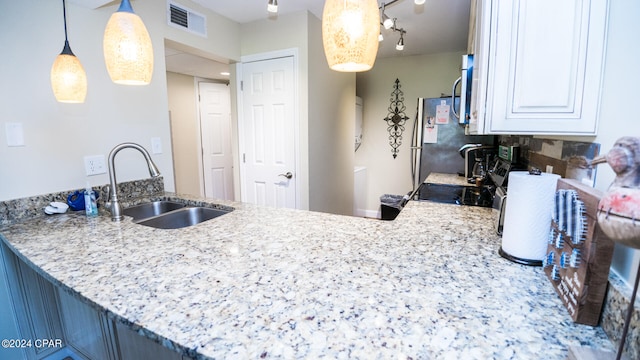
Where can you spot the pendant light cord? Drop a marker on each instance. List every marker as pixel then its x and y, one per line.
pixel 64 16
pixel 67 49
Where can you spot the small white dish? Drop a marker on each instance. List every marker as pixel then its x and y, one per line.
pixel 62 207
pixel 56 208
pixel 50 210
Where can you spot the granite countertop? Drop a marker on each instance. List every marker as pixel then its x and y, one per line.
pixel 443 178
pixel 281 283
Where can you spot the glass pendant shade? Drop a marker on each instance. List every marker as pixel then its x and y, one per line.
pixel 68 78
pixel 350 30
pixel 128 52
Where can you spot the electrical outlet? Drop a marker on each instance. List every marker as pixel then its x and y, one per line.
pixel 156 145
pixel 94 165
pixel 550 169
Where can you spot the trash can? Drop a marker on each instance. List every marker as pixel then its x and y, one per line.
pixel 390 206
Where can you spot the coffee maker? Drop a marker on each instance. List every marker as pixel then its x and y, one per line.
pixel 476 156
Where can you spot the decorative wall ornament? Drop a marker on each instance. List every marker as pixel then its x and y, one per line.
pixel 396 118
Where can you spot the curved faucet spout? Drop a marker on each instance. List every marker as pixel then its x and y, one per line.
pixel 116 208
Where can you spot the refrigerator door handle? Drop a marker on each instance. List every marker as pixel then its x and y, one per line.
pixel 453 98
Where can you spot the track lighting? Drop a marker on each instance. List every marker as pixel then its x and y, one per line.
pixel 272 6
pixel 386 21
pixel 390 24
pixel 400 44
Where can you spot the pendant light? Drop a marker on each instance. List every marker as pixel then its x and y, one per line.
pixel 68 78
pixel 350 30
pixel 128 52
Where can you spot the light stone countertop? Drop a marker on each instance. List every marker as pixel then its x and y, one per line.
pixel 443 178
pixel 280 283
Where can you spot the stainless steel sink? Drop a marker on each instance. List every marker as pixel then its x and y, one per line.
pixel 151 209
pixel 180 218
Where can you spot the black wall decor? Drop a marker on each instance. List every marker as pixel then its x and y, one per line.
pixel 396 118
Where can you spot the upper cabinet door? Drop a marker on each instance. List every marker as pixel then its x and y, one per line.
pixel 544 66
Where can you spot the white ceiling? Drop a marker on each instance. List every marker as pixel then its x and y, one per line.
pixel 435 27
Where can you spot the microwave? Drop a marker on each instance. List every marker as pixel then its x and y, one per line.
pixel 464 113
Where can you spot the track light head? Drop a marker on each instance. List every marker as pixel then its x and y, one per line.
pixel 272 6
pixel 400 44
pixel 386 21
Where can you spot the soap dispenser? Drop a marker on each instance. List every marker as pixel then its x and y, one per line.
pixel 90 203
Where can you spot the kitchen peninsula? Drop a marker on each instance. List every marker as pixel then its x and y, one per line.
pixel 280 283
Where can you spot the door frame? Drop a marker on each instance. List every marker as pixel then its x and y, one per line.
pixel 292 52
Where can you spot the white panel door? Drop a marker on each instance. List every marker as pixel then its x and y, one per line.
pixel 268 130
pixel 215 128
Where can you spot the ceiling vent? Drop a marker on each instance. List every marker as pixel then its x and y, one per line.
pixel 184 18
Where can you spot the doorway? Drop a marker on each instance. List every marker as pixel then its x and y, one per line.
pixel 185 72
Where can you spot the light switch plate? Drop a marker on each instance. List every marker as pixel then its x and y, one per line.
pixel 15 134
pixel 156 145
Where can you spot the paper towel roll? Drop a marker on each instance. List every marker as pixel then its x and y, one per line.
pixel 528 216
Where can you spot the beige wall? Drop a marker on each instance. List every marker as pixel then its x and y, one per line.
pixel 185 133
pixel 58 136
pixel 420 76
pixel 332 109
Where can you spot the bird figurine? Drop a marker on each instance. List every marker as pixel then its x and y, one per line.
pixel 619 207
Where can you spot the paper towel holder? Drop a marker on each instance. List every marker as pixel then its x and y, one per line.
pixel 517 260
pixel 518 256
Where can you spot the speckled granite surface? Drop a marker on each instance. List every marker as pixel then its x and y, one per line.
pixel 130 192
pixel 614 313
pixel 442 178
pixel 279 283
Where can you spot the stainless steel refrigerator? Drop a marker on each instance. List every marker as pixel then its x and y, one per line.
pixel 436 138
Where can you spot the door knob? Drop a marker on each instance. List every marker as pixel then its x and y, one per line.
pixel 288 175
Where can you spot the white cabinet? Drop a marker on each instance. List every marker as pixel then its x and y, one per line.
pixel 538 66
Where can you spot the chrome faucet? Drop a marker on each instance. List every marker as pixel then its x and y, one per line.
pixel 115 207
